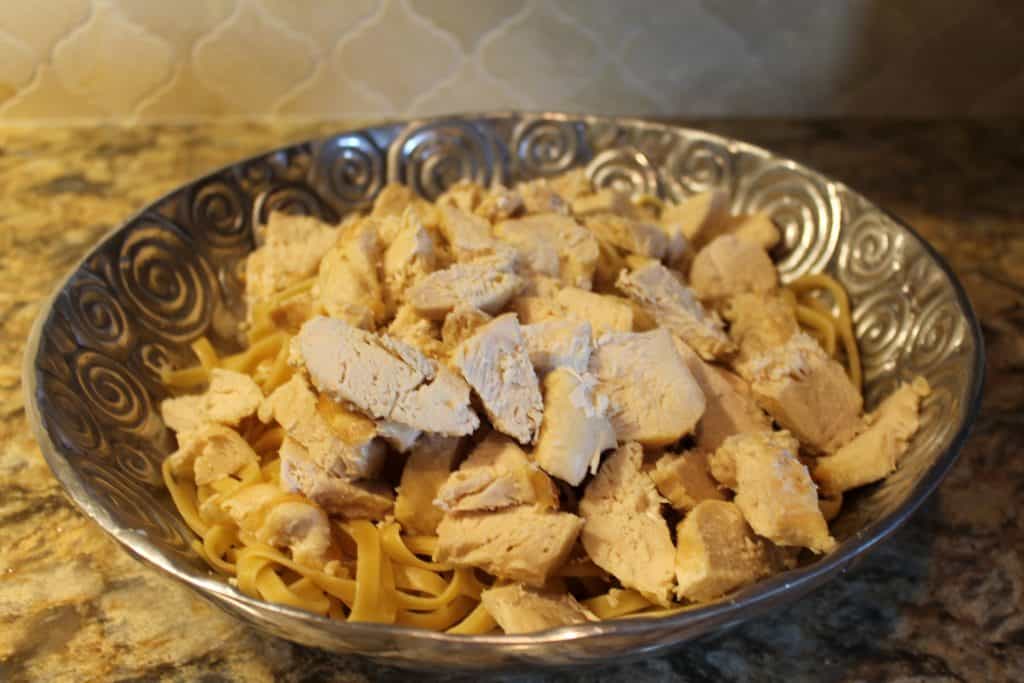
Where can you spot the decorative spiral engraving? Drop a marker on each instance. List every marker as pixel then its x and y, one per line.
pixel 882 322
pixel 698 166
pixel 432 157
pixel 96 316
pixel 114 393
pixel 805 208
pixel 166 281
pixel 872 249
pixel 543 147
pixel 218 214
pixel 70 419
pixel 938 333
pixel 348 171
pixel 655 143
pixel 625 170
pixel 140 464
pixel 297 200
pixel 256 175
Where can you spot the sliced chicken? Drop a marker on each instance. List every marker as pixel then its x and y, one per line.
pixel 496 364
pixel 336 494
pixel 806 392
pixel 500 203
pixel 464 195
pixel 717 552
pixel 728 266
pixel 348 284
pixel 759 322
pixel 291 251
pixel 230 397
pixel 685 480
pixel 624 532
pixel 873 453
pixel 698 218
pixel 496 475
pixel 338 441
pixel 535 309
pixel 558 343
pixel 421 333
pixel 653 398
pixel 539 196
pixel 483 285
pixel 461 324
pixel 392 200
pixel 553 245
pixel 774 490
pixel 629 234
pixel 426 470
pixel 756 228
pixel 521 609
pixel 729 406
pixel 674 307
pixel 575 430
pixel 469 237
pixel 408 258
pixel 605 313
pixel 211 453
pixel 523 543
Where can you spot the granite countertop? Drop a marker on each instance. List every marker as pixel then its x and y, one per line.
pixel 942 600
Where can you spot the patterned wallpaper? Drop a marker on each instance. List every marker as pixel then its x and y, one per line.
pixel 180 60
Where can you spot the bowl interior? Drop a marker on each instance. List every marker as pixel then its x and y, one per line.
pixel 170 275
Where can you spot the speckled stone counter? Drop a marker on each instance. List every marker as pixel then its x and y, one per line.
pixel 943 600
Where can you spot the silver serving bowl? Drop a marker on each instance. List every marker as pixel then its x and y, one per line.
pixel 169 275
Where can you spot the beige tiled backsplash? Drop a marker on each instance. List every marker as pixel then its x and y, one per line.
pixel 180 60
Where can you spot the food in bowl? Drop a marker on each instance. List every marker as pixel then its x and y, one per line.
pixel 522 408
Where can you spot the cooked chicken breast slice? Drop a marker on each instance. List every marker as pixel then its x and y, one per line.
pixel 421 333
pixel 230 397
pixel 534 309
pixel 553 245
pixel 698 218
pixel 874 453
pixel 338 495
pixel 624 532
pixel 629 234
pixel 521 609
pixel 408 258
pixel 774 489
pixel 758 323
pixel 728 266
pixel 575 430
pixel 469 237
pixel 496 475
pixel 685 480
pixel 717 552
pixel 605 313
pixel 500 203
pixel 674 307
pixel 483 285
pixel 558 343
pixel 461 324
pixel 523 543
pixel 348 284
pixel 540 196
pixel 495 362
pixel 210 453
pixel 653 398
pixel 427 468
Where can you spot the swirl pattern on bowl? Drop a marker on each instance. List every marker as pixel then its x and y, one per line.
pixel 169 275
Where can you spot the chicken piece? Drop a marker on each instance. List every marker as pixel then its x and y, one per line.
pixel 759 322
pixel 523 543
pixel 575 430
pixel 624 532
pixel 730 408
pixel 554 245
pixel 337 495
pixel 383 377
pixel 464 195
pixel 534 309
pixel 774 489
pixel 558 343
pixel 495 363
pixel 722 461
pixel 461 324
pixel 210 453
pixel 338 441
pixel 874 453
pixel 604 313
pixel 756 228
pixel 392 200
pixel 421 333
pixel 728 266
pixel 348 284
pixel 469 237
pixel 604 201
pixel 399 436
pixel 289 314
pixel 629 234
pixel 540 286
pixel 499 204
pixel 496 475
pixel 807 393
pixel 427 468
pixel 717 552
pixel 520 609
pixel 482 285
pixel 540 197
pixel 653 397
pixel 407 259
pixel 674 306
pixel 291 251
pixel 230 397
pixel 699 218
pixel 684 479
